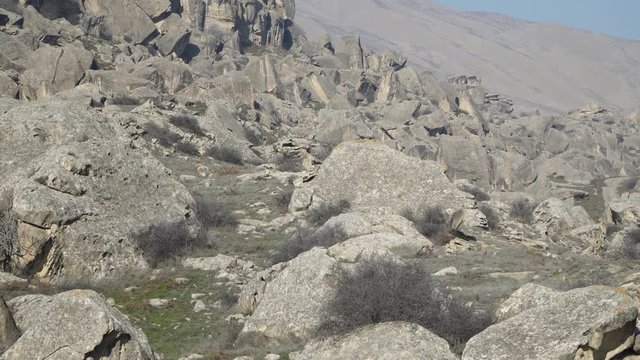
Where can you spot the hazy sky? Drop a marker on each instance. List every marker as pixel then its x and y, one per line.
pixel 619 18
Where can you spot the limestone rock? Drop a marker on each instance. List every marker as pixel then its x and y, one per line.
pixel 527 297
pixel 289 299
pixel 120 18
pixel 52 69
pixel 590 322
pixel 14 53
pixel 8 87
pixel 553 217
pixel 78 324
pixel 77 188
pixel 9 332
pixel 408 342
pixel 361 174
pixel 624 212
pixel 175 35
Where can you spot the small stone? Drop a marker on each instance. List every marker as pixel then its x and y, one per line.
pixel 272 357
pixel 181 281
pixel 199 306
pixel 111 302
pixel 158 303
pixel 197 296
pixel 447 271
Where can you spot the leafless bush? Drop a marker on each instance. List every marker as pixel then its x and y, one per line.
pixel 432 222
pixel 124 100
pixel 214 214
pixel 493 219
pixel 187 123
pixel 522 209
pixel 628 185
pixel 228 155
pixel 320 214
pixel 187 148
pixel 8 237
pixel 164 136
pixel 380 290
pixel 304 240
pixel 162 242
pixel 478 193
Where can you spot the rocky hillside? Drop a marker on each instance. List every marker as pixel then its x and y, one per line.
pixel 202 180
pixel 541 65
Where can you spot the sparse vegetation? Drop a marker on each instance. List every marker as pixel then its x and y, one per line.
pixel 522 210
pixel 124 100
pixel 165 137
pixel 187 123
pixel 493 219
pixel 8 236
pixel 319 215
pixel 212 214
pixel 380 290
pixel 228 155
pixel 432 222
pixel 187 148
pixel 304 240
pixel 165 241
pixel 478 193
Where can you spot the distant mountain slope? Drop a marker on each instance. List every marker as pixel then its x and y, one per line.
pixel 537 64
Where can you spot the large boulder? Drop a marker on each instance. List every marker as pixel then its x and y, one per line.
pixel 9 332
pixel 14 52
pixel 527 297
pixel 590 323
pixel 77 324
pixel 289 300
pixel 8 87
pixel 82 192
pixel 553 217
pixel 52 69
pixel 366 175
pixel 120 18
pixel 408 342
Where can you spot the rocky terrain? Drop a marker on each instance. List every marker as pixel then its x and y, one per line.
pixel 540 65
pixel 202 180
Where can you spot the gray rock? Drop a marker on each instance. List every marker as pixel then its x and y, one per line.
pixel 375 191
pixel 77 324
pixel 76 185
pixel 553 217
pixel 120 18
pixel 289 299
pixel 9 332
pixel 14 53
pixel 175 35
pixel 392 340
pixel 582 323
pixel 527 297
pixel 53 69
pixel 8 87
pixel 623 212
pixel 168 76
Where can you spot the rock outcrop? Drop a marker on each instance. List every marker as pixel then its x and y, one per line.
pixel 409 341
pixel 78 324
pixel 79 190
pixel 593 322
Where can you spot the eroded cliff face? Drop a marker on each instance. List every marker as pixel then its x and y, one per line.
pixel 257 22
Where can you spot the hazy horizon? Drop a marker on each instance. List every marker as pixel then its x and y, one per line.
pixel 617 18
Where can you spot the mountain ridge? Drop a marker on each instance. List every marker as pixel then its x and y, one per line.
pixel 540 65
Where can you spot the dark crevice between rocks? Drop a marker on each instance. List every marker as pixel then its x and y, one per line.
pixel 617 343
pixel 110 341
